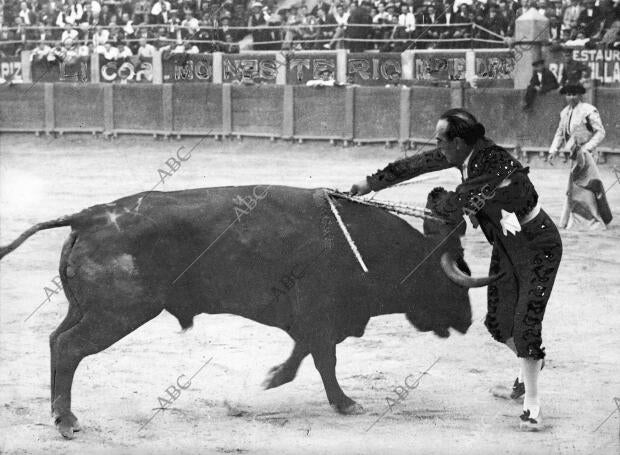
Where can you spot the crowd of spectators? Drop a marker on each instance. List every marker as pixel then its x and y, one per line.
pixel 116 29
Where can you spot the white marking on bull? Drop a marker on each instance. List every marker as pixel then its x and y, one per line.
pixel 125 262
pixel 112 217
pixel 139 203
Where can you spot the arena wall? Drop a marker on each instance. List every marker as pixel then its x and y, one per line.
pixel 352 113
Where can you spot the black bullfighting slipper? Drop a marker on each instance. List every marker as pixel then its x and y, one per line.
pixel 529 423
pixel 518 390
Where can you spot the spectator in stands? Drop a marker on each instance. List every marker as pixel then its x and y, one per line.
pixel 495 22
pixel 123 51
pixel 571 17
pixel 325 79
pixel 28 16
pixel 229 46
pixel 542 82
pixel 224 28
pixel 611 38
pixel 109 52
pixel 257 19
pixel 359 15
pixel 146 50
pixel 342 18
pixel 590 22
pixel 573 72
pixel 555 15
pixel 88 16
pixel 325 33
pixel 105 15
pixel 73 12
pixel 100 37
pixel 309 30
pixel 40 52
pixel 160 12
pixel 140 10
pixel 69 33
pixel 406 20
pixel 205 37
pixel 321 4
pixel 44 34
pixel 393 75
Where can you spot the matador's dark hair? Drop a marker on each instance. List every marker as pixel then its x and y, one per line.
pixel 463 124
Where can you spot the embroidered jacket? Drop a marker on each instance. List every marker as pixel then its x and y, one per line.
pixel 495 182
pixel 581 126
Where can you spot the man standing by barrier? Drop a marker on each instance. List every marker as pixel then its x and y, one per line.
pixel 580 131
pixel 497 195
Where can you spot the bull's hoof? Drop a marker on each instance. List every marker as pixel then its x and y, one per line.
pixel 349 409
pixel 67 425
pixel 277 376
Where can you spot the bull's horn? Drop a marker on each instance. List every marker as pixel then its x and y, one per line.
pixel 451 269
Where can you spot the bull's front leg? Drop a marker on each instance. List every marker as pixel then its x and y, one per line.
pixel 286 372
pixel 324 355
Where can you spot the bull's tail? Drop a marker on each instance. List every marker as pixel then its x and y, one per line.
pixel 58 222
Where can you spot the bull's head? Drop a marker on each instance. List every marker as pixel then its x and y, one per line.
pixel 445 300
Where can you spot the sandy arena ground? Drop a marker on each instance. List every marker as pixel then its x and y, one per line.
pixel 225 410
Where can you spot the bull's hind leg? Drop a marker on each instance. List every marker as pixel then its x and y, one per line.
pixel 286 372
pixel 324 355
pixel 73 317
pixel 93 333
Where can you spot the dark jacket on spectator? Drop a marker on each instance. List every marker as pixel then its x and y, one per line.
pixel 358 16
pixel 589 21
pixel 546 81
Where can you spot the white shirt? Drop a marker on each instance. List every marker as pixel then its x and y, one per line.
pixel 147 51
pixel 25 15
pixel 465 164
pixel 407 20
pixel 321 83
pixel 126 52
pixel 69 34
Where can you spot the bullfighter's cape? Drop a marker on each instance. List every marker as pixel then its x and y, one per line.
pixel 499 196
pixel 585 195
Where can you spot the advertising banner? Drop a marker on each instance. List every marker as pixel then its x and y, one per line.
pixel 187 67
pixel 11 69
pixel 73 69
pixel 372 68
pixel 302 68
pixel 604 64
pixel 439 67
pixel 259 68
pixel 494 66
pixel 129 70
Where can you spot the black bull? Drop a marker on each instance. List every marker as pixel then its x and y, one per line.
pixel 274 254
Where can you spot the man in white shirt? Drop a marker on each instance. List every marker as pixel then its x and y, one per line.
pixel 146 50
pixel 123 51
pixel 69 33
